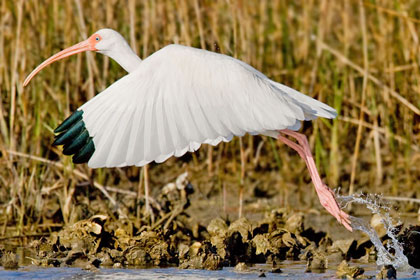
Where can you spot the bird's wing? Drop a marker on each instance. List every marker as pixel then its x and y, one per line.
pixel 181 97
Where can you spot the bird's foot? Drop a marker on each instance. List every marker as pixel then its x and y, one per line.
pixel 325 194
pixel 329 202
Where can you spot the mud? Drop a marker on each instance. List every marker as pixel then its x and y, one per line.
pixel 172 239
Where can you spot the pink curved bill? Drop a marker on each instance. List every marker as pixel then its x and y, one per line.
pixel 78 48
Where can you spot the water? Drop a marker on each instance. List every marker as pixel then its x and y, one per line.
pixel 376 206
pixel 291 270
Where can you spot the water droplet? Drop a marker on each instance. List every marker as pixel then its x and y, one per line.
pixel 374 204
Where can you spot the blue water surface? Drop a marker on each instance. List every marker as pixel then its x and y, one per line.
pixel 290 271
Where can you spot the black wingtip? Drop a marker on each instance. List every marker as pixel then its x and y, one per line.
pixel 67 123
pixel 85 153
pixel 69 135
pixel 75 138
pixel 75 145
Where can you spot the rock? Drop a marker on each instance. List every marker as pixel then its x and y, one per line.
pixel 53 262
pixel 366 257
pixel 105 259
pixel 276 238
pixel 303 240
pixel 76 258
pixel 243 226
pixel 212 262
pixel 350 272
pixel 289 239
pixel 90 267
pixel 79 261
pixel 180 184
pixel 276 270
pixel 291 245
pixel 387 272
pixel 220 243
pixel 378 225
pixel 276 219
pixel 277 245
pixel 410 239
pixel 194 249
pixel 241 266
pixel 324 243
pixel 293 253
pixel 123 240
pixel 262 244
pixel 317 263
pixel 44 249
pixel 308 252
pixel 237 249
pixel 116 254
pixel 155 246
pixel 202 256
pixel 95 262
pixel 363 246
pixel 93 225
pixel 183 250
pixel 347 246
pixel 262 274
pixel 195 262
pixel 9 260
pixel 98 222
pixel 137 256
pixel 83 236
pixel 175 195
pixel 217 227
pixel 295 224
pixel 117 265
pixel 261 228
pixel 335 256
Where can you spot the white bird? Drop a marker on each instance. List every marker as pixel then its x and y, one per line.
pixel 177 99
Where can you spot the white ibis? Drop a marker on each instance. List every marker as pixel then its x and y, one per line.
pixel 177 99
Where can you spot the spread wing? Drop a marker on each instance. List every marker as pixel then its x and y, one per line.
pixel 179 98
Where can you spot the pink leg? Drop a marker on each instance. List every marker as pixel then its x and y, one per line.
pixel 325 194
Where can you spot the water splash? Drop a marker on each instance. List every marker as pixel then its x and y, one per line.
pixel 376 206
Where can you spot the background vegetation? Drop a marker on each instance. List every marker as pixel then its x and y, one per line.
pixel 361 57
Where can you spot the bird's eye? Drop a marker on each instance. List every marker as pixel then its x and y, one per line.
pixel 97 38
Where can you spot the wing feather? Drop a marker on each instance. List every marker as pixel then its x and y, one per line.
pixel 117 154
pixel 103 138
pixel 133 137
pixel 165 140
pixel 181 97
pixel 174 131
pixel 149 132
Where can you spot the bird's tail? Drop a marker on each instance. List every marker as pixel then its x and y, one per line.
pixel 311 107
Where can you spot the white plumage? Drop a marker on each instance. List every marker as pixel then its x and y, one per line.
pixel 181 97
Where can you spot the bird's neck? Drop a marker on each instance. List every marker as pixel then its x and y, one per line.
pixel 125 57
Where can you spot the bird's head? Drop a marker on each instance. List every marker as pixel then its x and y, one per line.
pixel 102 41
pixel 106 40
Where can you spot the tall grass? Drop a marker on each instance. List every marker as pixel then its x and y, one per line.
pixel 360 57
